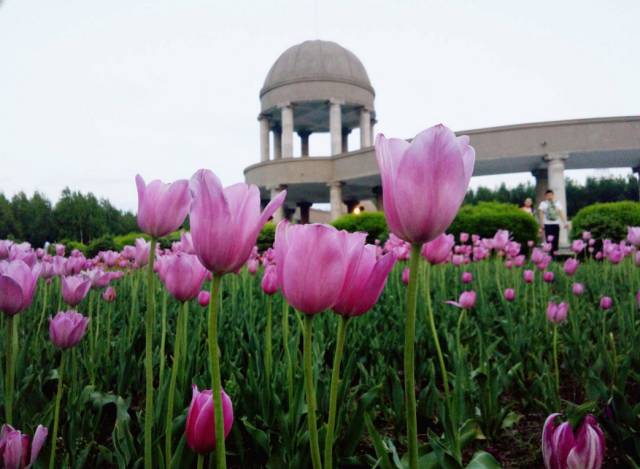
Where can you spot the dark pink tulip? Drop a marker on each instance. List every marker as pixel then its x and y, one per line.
pixel 606 302
pixel 438 251
pixel 366 278
pixel 75 289
pixel 109 295
pixel 424 182
pixel 548 276
pixel 528 276
pixel 509 294
pixel 405 275
pixel 183 276
pixel 467 300
pixel 66 329
pixel 570 266
pixel 562 450
pixel 14 447
pixel 557 312
pixel 577 289
pixel 615 256
pixel 270 280
pixel 467 277
pixel 200 426
pixel 225 223
pixel 578 246
pixel 305 253
pixel 203 298
pixel 5 248
pixel 162 208
pixel 17 285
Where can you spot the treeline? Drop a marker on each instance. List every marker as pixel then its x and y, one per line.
pixel 75 216
pixel 594 190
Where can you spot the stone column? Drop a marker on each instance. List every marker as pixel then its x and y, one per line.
pixel 305 208
pixel 377 193
pixel 278 216
pixel 636 170
pixel 264 137
pixel 304 142
pixel 287 131
pixel 555 175
pixel 277 143
pixel 345 139
pixel 365 128
pixel 371 131
pixel 542 184
pixel 335 197
pixel 335 126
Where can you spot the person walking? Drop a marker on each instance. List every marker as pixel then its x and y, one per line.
pixel 550 214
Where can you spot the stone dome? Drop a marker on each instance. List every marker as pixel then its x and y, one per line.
pixel 314 71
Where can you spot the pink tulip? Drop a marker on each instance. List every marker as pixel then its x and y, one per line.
pixel 142 250
pixel 225 223
pixel 203 298
pixel 500 240
pixel 109 295
pixel 405 275
pixel 306 253
pixel 577 289
pixel 438 251
pixel 570 266
pixel 557 312
pixel 633 235
pixel 5 248
pixel 59 248
pixel 200 426
pixel 586 235
pixel 75 289
pixel 183 276
pixel 530 243
pixel 14 447
pixel 162 208
pixel 17 285
pixel 365 280
pixel 464 237
pixel 578 246
pixel 66 329
pixel 99 278
pixel 561 449
pixel 467 277
pixel 548 276
pixel 457 259
pixel 424 182
pixel 269 282
pixel 467 300
pixel 606 303
pixel 528 276
pixel 509 294
pixel 252 265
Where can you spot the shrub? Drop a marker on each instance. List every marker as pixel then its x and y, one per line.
pixel 266 237
pixel 486 218
pixel 606 220
pixel 70 246
pixel 128 239
pixel 103 243
pixel 372 223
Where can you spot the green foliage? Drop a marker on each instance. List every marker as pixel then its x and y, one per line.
pixel 32 218
pixel 372 223
pixel 129 239
pixel 166 241
pixel 266 237
pixel 71 245
pixel 103 243
pixel 488 217
pixel 608 220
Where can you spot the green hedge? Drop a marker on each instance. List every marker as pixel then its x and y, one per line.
pixel 266 237
pixel 70 246
pixel 129 239
pixel 486 218
pixel 103 243
pixel 372 223
pixel 606 220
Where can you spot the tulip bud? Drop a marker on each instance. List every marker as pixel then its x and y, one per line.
pixel 405 276
pixel 528 276
pixel 548 276
pixel 14 447
pixel 270 280
pixel 203 298
pixel 66 329
pixel 606 303
pixel 467 277
pixel 200 427
pixel 509 294
pixel 557 312
pixel 109 295
pixel 467 300
pixel 570 266
pixel 577 289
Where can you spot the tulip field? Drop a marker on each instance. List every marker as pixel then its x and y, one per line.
pixel 423 350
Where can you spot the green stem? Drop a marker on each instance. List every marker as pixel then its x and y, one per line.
pixel 163 337
pixel 409 358
pixel 200 461
pixel 148 360
pixel 333 397
pixel 12 340
pixel 221 462
pixel 172 383
pixel 56 414
pixel 285 342
pixel 268 354
pixel 44 309
pixel 555 359
pixel 310 393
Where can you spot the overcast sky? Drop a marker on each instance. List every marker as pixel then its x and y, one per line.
pixel 93 92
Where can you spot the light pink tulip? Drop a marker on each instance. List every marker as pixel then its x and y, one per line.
pixel 438 251
pixel 570 266
pixel 182 275
pixel 162 208
pixel 509 294
pixel 467 277
pixel 467 300
pixel 528 276
pixel 557 312
pixel 577 289
pixel 500 240
pixel 424 182
pixel 66 329
pixel 75 289
pixel 17 286
pixel 269 282
pixel 109 295
pixel 633 235
pixel 405 275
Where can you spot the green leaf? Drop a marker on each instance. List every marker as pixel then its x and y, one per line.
pixel 483 460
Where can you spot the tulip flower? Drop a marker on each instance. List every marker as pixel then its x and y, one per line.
pixel 225 223
pixel 467 300
pixel 570 266
pixel 66 329
pixel 606 303
pixel 557 312
pixel 509 294
pixel 633 235
pixel 17 286
pixel 438 251
pixel 200 420
pixel 5 248
pixel 75 289
pixel 14 447
pixel 142 250
pixel 577 246
pixel 577 289
pixel 183 276
pixel 464 237
pixel 562 449
pixel 162 208
pixel 466 277
pixel 500 240
pixel 528 276
pixel 424 182
pixel 203 298
pixel 405 275
pixel 548 276
pixel 269 282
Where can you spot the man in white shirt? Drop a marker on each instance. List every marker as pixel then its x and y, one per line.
pixel 550 213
